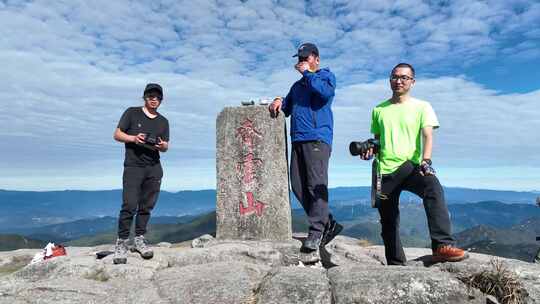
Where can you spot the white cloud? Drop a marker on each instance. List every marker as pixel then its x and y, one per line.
pixel 479 127
pixel 71 67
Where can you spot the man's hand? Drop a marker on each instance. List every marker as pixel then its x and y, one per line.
pixel 275 107
pixel 367 155
pixel 162 146
pixel 426 168
pixel 301 66
pixel 138 139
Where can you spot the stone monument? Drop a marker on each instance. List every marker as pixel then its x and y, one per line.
pixel 252 177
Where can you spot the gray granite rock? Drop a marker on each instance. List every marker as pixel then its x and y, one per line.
pixel 240 271
pixel 15 260
pixel 528 273
pixel 295 285
pixel 257 252
pixel 201 241
pixel 252 181
pixel 398 284
pixel 232 283
pixel 347 251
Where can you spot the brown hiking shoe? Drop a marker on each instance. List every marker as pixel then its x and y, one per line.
pixel 449 253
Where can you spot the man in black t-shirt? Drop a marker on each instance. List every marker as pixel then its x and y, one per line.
pixel 145 133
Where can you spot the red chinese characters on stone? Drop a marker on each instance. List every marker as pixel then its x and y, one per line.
pixel 254 206
pixel 247 133
pixel 246 169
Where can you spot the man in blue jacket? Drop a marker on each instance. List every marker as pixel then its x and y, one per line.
pixel 309 104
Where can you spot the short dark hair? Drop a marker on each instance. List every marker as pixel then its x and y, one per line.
pixel 403 65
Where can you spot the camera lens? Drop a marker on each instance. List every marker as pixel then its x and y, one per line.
pixel 355 148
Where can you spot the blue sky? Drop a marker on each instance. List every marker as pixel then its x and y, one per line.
pixel 70 68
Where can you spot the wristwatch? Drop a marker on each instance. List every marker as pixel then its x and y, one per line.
pixel 427 160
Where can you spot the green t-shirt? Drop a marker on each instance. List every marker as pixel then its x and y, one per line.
pixel 400 129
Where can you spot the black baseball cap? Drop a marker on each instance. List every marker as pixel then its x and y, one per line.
pixel 153 87
pixel 307 49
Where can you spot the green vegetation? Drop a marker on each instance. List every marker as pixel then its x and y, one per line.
pixel 13 242
pixel 499 282
pixel 16 263
pixel 172 233
pixel 99 275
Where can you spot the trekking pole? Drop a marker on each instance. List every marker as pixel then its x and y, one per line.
pixel 538 204
pixel 537 257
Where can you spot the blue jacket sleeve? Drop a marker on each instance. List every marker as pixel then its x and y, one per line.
pixel 322 84
pixel 286 105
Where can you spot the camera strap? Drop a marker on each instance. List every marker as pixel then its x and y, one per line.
pixel 376 184
pixel 392 181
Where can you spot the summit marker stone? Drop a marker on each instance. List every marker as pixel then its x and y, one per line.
pixel 252 179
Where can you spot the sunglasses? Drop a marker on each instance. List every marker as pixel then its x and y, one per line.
pixel 153 97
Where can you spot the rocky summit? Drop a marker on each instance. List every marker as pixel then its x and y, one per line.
pixel 207 270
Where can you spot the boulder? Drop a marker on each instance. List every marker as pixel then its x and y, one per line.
pixel 230 282
pixel 398 284
pixel 295 285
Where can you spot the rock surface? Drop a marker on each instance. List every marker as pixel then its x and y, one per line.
pixel 252 181
pixel 233 271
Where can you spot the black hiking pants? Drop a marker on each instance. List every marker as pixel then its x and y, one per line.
pixel 430 190
pixel 140 192
pixel 309 181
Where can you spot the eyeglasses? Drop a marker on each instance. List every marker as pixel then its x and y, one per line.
pixel 302 59
pixel 403 78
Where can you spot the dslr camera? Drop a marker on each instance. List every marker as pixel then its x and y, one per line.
pixel 150 139
pixel 361 147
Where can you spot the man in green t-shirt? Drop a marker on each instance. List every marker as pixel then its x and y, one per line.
pixel 404 126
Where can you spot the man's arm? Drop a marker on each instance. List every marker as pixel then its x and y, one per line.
pixel 122 136
pixel 427 136
pixel 123 125
pixel 279 103
pixel 425 165
pixel 163 144
pixel 322 85
pixel 370 153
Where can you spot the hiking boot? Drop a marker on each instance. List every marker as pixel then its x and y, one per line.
pixel 311 243
pixel 139 245
pixel 449 253
pixel 331 230
pixel 120 251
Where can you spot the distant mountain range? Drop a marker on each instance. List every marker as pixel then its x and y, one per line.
pixel 176 233
pixel 489 227
pixel 24 209
pixel 13 242
pixel 517 241
pixel 64 232
pixel 501 223
pixel 28 209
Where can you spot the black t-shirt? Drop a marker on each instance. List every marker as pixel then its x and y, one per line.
pixel 133 122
